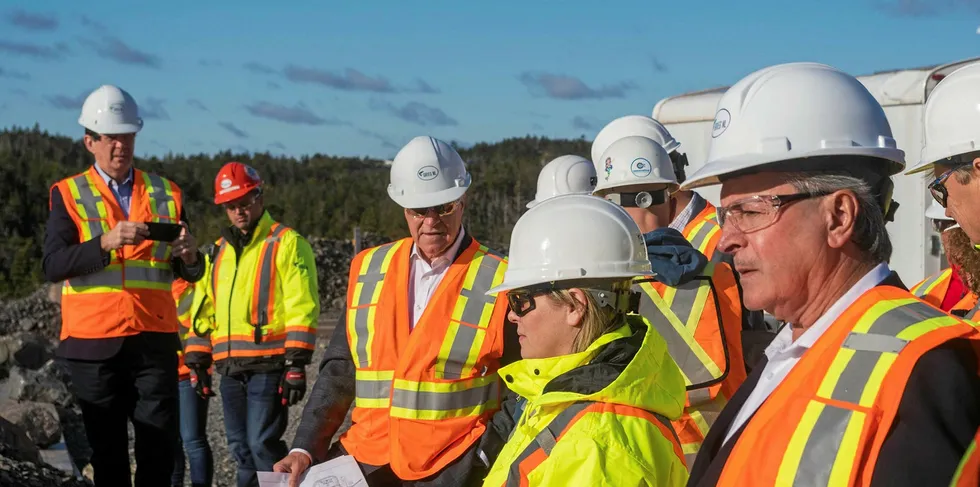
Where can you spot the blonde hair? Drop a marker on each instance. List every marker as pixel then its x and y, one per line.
pixel 596 320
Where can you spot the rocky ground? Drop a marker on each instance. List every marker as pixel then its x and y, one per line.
pixel 38 413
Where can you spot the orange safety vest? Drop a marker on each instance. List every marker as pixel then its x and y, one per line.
pixel 704 232
pixel 422 398
pixel 826 422
pixel 933 288
pixel 968 307
pixel 968 472
pixel 133 293
pixel 701 321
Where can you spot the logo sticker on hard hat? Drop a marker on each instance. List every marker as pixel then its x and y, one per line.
pixel 225 183
pixel 428 173
pixel 252 173
pixel 722 120
pixel 608 167
pixel 641 167
pixel 116 108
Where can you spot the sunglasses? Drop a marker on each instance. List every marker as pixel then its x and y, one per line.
pixel 241 205
pixel 938 187
pixel 442 210
pixel 522 301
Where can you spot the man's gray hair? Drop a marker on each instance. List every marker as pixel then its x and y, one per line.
pixel 870 233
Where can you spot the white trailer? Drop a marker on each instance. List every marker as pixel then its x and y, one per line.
pixel 902 94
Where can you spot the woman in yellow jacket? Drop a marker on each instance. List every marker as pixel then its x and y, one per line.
pixel 599 389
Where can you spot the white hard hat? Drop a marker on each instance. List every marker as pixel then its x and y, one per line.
pixel 110 110
pixel 935 211
pixel 795 111
pixel 551 243
pixel 564 175
pixel 427 172
pixel 952 118
pixel 633 160
pixel 632 125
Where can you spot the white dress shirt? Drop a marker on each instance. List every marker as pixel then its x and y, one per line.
pixel 425 277
pixel 783 353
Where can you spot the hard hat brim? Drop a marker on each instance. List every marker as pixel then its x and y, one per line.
pixel 114 129
pixel 712 173
pixel 525 282
pixel 936 212
pixel 429 199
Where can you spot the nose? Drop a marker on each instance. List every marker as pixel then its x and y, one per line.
pixel 512 316
pixel 731 239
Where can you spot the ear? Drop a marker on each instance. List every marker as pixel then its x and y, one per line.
pixel 976 164
pixel 89 143
pixel 841 210
pixel 576 313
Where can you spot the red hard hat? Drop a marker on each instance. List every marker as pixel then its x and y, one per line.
pixel 235 180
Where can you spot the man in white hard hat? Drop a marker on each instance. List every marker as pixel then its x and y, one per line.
pixel 867 385
pixel 951 150
pixel 690 214
pixel 693 303
pixel 420 345
pixel 568 174
pixel 119 329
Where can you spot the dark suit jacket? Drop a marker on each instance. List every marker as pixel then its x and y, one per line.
pixel 65 257
pixel 937 418
pixel 333 392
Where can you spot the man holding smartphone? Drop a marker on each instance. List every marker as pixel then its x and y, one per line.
pixel 119 320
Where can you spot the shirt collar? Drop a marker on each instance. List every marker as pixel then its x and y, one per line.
pixel 108 179
pixel 447 257
pixel 687 214
pixel 785 337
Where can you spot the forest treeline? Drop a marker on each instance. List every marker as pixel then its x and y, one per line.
pixel 319 195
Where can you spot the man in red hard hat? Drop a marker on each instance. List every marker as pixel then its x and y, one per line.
pixel 261 293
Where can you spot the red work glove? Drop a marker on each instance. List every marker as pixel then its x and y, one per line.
pixel 292 388
pixel 201 381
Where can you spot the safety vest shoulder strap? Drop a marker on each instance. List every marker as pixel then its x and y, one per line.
pixel 676 313
pixel 703 229
pixel 263 295
pixel 540 448
pixel 370 268
pixel 930 283
pixel 82 192
pixel 827 440
pixel 471 316
pixel 163 194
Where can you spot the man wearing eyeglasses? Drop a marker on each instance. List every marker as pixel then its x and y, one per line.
pixel 867 385
pixel 418 350
pixel 261 294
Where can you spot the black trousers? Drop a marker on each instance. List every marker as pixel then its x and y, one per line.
pixel 138 384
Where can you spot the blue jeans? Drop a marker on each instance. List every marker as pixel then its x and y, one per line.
pixel 193 438
pixel 255 421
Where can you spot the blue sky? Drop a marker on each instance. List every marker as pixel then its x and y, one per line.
pixel 362 78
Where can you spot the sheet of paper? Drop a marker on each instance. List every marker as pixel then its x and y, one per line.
pixel 339 472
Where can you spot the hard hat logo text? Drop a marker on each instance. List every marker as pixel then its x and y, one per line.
pixel 641 167
pixel 722 120
pixel 428 173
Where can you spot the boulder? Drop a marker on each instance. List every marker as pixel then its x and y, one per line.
pixel 16 445
pixel 29 350
pixel 43 385
pixel 39 420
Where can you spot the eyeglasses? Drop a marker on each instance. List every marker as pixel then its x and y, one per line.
pixel 241 205
pixel 760 211
pixel 442 210
pixel 938 187
pixel 522 301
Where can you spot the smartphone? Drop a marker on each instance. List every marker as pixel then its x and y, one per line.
pixel 163 232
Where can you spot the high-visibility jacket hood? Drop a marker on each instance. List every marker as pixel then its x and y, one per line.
pixel 628 366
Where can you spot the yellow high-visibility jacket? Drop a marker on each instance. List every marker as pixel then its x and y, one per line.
pixel 596 418
pixel 264 303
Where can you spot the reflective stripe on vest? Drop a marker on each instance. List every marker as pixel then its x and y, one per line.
pixel 925 287
pixel 185 302
pixel 264 294
pixel 468 326
pixel 457 356
pixel 91 208
pixel 824 446
pixel 968 472
pixel 162 204
pixel 676 316
pixel 703 232
pixel 536 452
pixel 367 292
